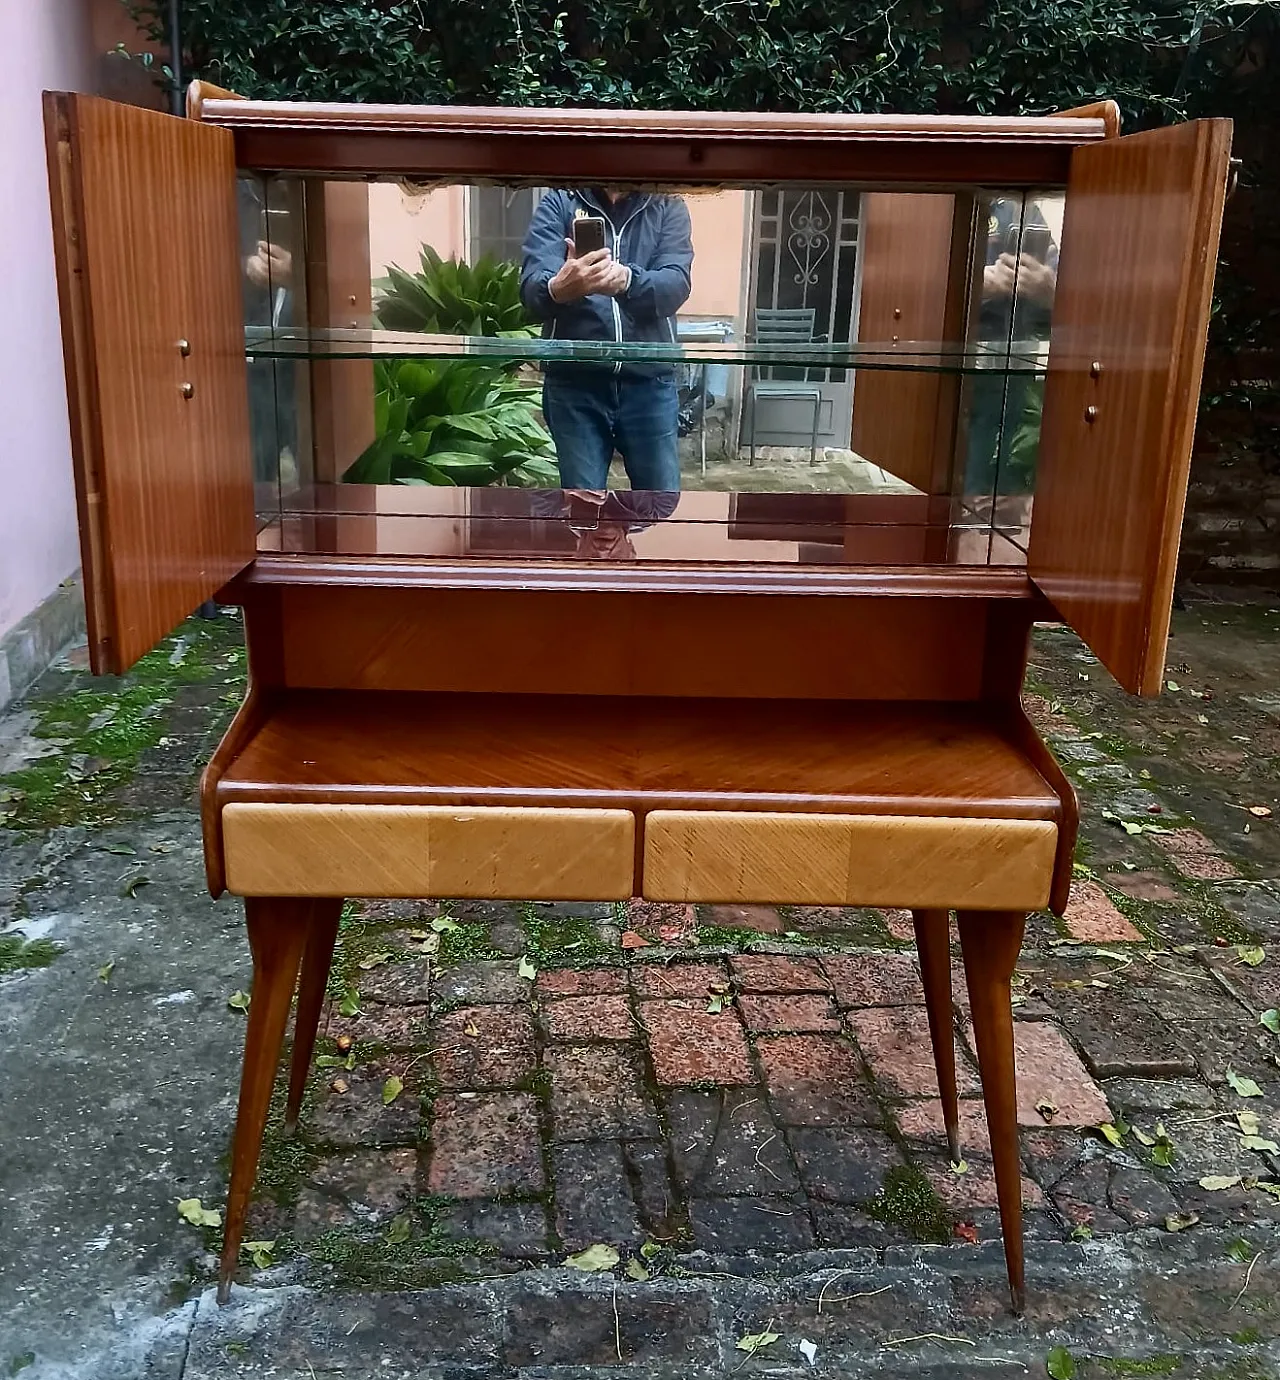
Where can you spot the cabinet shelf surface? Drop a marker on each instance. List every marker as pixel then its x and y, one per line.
pixel 639 753
pixel 933 357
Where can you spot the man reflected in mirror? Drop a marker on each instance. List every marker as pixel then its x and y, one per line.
pixel 627 292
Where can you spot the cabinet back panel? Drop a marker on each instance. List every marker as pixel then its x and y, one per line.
pixel 590 643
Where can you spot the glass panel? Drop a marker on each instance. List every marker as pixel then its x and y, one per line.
pixel 463 368
pixel 273 257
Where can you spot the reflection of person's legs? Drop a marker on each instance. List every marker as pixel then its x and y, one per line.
pixel 580 415
pixel 647 416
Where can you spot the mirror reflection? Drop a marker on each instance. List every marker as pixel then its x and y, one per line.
pixel 819 340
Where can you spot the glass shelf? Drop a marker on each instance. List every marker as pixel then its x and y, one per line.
pixel 1021 357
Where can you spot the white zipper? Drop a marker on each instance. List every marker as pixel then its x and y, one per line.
pixel 613 301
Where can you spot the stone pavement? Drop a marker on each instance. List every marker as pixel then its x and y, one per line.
pixel 737 1102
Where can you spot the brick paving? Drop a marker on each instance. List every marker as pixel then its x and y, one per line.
pixel 748 1094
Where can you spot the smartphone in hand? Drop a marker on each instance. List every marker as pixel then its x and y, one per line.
pixel 588 235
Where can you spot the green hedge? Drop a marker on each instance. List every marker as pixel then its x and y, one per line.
pixel 986 56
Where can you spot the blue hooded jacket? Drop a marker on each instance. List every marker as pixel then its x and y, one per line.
pixel 648 233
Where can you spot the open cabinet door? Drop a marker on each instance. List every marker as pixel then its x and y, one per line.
pixel 1139 248
pixel 146 244
pixel 901 420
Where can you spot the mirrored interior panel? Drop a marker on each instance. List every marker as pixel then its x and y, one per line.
pixel 811 375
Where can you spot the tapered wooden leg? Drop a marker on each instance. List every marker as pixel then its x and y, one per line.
pixel 933 946
pixel 277 933
pixel 989 941
pixel 316 960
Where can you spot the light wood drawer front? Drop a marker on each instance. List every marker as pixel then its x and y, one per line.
pixel 428 850
pixel 848 860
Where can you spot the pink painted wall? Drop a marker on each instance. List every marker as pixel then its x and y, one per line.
pixel 401 222
pixel 47 45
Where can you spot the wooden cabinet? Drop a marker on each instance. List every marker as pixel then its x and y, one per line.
pixel 794 680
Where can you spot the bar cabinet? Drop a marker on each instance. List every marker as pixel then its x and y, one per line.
pixel 790 681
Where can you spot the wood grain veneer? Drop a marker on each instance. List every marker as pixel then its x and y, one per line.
pixel 585 751
pixel 163 481
pixel 1139 248
pixel 657 146
pixel 557 642
pixel 847 860
pixel 515 853
pixel 905 244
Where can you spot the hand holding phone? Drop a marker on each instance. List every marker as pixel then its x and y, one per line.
pixel 588 235
pixel 587 270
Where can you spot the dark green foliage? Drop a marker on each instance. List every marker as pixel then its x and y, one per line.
pixel 974 55
pixel 452 298
pixel 454 421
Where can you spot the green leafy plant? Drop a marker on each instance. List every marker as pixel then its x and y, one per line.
pixel 451 297
pixel 454 421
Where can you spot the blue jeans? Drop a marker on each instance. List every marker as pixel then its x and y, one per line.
pixel 593 413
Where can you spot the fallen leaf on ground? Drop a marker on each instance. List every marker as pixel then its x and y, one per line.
pixel 443 924
pixel 637 1271
pixel 1245 1087
pixel 1241 1250
pixel 191 1210
pixel 959 1166
pixel 1260 811
pixel 1048 1110
pixel 350 1003
pixel 717 1002
pixel 1141 1136
pixel 238 1001
pixel 1180 1221
pixel 1111 1133
pixel 1268 1187
pixel 104 973
pixel 339 1085
pixel 1215 1183
pixel 809 1351
pixel 527 970
pixel 259 1252
pixel 1249 1122
pixel 649 1250
pixel 1271 1019
pixel 1250 954
pixel 332 1061
pixel 594 1258
pixel 392 1089
pixel 472 1029
pixel 398 1231
pixel 966 1231
pixel 756 1341
pixel 1259 1143
pixel 374 960
pixel 130 888
pixel 632 940
pixel 1060 1364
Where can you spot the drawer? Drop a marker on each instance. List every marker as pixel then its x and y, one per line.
pixel 428 850
pixel 848 860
